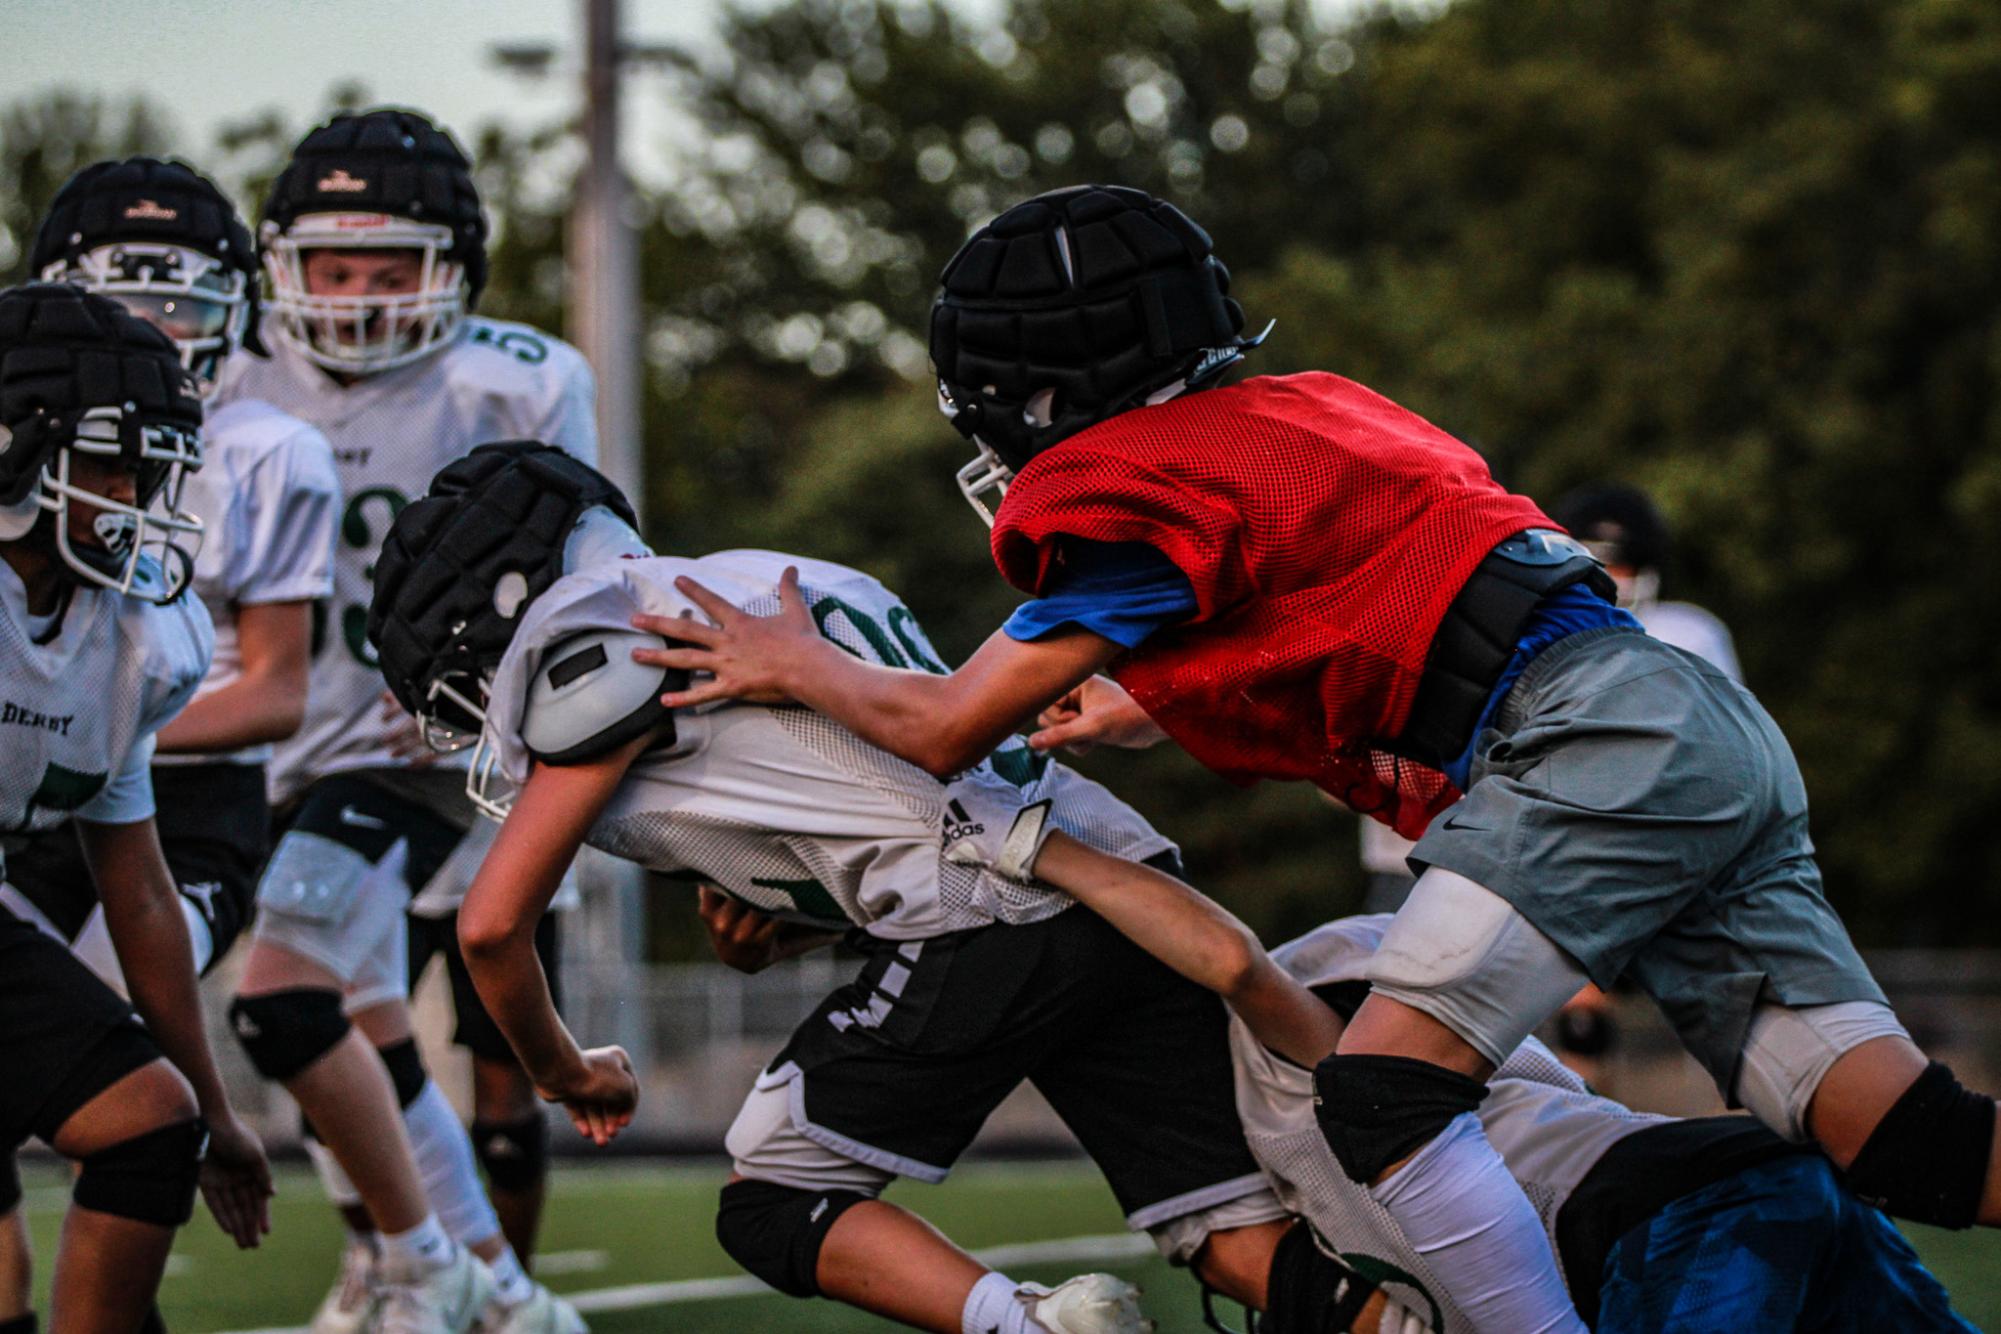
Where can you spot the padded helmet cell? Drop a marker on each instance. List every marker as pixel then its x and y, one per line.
pixel 1097 296
pixel 460 565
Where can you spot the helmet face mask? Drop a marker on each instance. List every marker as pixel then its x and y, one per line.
pixel 197 300
pixel 364 334
pixel 152 525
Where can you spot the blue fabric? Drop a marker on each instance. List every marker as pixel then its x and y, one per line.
pixel 1122 590
pixel 1781 1246
pixel 1567 611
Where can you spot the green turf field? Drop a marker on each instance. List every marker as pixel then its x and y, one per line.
pixel 627 1224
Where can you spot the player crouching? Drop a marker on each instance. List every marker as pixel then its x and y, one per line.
pixel 1662 1226
pixel 99 425
pixel 502 611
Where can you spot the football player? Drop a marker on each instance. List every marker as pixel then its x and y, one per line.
pixel 1294 577
pixel 165 243
pixel 1661 1224
pixel 99 428
pixel 501 614
pixel 374 246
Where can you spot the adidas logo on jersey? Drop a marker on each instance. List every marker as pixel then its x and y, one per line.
pixel 246 1027
pixel 958 824
pixel 152 210
pixel 338 181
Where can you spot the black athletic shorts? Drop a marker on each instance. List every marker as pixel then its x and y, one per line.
pixel 215 829
pixel 901 1067
pixel 65 1036
pixel 474 1028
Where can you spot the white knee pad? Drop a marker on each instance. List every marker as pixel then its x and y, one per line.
pixel 767 1145
pixel 1463 955
pixel 1181 1238
pixel 1787 1052
pixel 329 903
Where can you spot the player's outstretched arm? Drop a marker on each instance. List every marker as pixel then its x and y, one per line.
pixel 142 912
pixel 553 811
pixel 943 724
pixel 1196 937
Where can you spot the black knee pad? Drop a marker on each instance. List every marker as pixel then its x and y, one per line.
pixel 775 1232
pixel 515 1154
pixel 1374 1110
pixel 1927 1158
pixel 1309 1291
pixel 149 1178
pixel 283 1032
pixel 406 1070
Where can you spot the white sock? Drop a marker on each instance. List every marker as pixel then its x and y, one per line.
pixel 513 1284
pixel 1468 1218
pixel 993 1308
pixel 445 1164
pixel 422 1249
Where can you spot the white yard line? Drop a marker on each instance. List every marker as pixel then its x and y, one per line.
pixel 637 1296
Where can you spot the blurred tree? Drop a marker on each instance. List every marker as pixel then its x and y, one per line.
pixel 44 140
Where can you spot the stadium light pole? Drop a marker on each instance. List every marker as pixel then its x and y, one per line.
pixel 604 268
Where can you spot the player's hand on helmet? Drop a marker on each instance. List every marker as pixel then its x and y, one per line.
pixel 740 935
pixel 406 743
pixel 236 1180
pixel 600 1094
pixel 746 657
pixel 1097 713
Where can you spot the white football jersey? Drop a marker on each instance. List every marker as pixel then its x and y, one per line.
pixel 1695 630
pixel 78 712
pixel 785 808
pixel 1546 1125
pixel 390 434
pixel 268 499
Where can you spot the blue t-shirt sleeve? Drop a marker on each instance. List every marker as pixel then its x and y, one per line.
pixel 1122 590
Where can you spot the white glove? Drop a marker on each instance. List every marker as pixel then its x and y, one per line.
pixel 986 825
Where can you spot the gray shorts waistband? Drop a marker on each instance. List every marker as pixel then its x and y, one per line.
pixel 1509 716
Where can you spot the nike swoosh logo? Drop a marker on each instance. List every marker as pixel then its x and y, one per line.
pixel 1452 822
pixel 361 819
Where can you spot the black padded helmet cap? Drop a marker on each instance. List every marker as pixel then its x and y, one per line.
pixel 64 351
pixel 1100 292
pixel 505 508
pixel 1621 516
pixel 148 199
pixel 386 160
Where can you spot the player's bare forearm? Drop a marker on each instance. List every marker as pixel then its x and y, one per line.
pixel 944 724
pixel 142 912
pixel 267 700
pixel 553 811
pixel 1197 938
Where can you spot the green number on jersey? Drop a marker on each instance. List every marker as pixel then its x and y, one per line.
pixel 61 789
pixel 357 533
pixel 521 346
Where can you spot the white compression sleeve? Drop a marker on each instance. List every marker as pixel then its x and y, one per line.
pixel 445 1163
pixel 1468 1218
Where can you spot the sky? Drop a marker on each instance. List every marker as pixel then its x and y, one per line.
pixel 210 61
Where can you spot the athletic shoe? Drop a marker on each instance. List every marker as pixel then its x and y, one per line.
pixel 447 1300
pixel 350 1303
pixel 542 1312
pixel 1087 1304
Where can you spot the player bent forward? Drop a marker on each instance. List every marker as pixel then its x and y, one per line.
pixel 1296 578
pixel 1662 1226
pixel 972 983
pixel 98 422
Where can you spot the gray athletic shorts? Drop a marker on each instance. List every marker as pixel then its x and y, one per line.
pixel 1644 812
